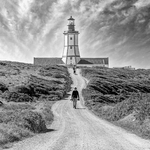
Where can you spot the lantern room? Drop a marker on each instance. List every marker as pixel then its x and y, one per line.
pixel 71 24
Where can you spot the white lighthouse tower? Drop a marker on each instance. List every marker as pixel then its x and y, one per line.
pixel 71 55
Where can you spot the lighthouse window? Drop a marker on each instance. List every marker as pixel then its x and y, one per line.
pixel 70 47
pixel 71 38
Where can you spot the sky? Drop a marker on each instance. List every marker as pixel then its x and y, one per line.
pixel 118 29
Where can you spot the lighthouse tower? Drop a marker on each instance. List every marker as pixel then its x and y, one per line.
pixel 71 54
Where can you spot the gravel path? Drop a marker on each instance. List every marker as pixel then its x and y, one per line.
pixel 79 129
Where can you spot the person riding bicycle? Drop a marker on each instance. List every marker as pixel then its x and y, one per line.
pixel 75 97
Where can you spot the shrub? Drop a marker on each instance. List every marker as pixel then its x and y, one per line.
pixel 120 110
pixel 16 106
pixel 47 113
pixel 3 64
pixel 32 121
pixel 115 94
pixel 2 73
pixel 19 119
pixel 16 97
pixel 9 116
pixel 50 97
pixel 22 89
pixel 3 87
pixel 12 133
pixel 142 109
pixel 115 87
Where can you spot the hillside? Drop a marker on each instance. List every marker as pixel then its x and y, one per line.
pixel 121 96
pixel 27 93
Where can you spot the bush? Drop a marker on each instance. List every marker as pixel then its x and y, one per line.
pixel 11 133
pixel 47 113
pixel 17 97
pixel 23 89
pixel 120 110
pixel 115 94
pixel 142 109
pixel 16 106
pixel 26 119
pixel 19 119
pixel 32 121
pixel 51 97
pixel 3 87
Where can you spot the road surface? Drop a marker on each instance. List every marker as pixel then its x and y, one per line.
pixel 79 129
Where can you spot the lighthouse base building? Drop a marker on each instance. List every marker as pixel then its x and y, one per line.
pixel 88 62
pixel 71 54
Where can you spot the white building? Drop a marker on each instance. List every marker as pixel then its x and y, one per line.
pixel 71 54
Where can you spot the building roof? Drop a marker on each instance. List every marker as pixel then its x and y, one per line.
pixel 71 18
pixel 57 61
pixel 48 61
pixel 94 61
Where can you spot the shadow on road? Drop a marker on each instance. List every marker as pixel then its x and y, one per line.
pixel 66 96
pixel 48 130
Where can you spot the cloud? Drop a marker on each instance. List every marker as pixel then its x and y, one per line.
pixel 24 7
pixel 119 29
pixel 141 3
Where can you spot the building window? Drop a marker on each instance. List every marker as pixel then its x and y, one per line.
pixel 71 38
pixel 70 47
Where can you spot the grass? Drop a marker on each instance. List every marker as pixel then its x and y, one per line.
pixel 18 121
pixel 120 96
pixel 28 93
pixel 13 125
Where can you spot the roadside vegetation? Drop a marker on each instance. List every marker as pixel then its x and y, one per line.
pixel 27 93
pixel 121 96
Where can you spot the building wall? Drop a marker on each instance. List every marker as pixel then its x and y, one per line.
pixel 58 61
pixel 71 40
pixel 93 65
pixel 71 53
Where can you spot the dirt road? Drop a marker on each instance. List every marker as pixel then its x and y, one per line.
pixel 79 129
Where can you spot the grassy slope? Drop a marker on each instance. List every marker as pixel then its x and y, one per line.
pixel 27 93
pixel 120 96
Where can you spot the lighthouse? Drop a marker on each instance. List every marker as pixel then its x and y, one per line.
pixel 71 55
